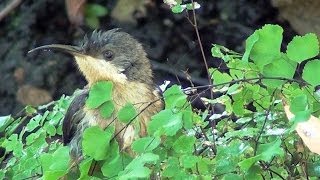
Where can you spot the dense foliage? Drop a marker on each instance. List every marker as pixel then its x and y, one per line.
pixel 251 138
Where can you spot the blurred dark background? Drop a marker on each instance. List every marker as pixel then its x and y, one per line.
pixel 169 38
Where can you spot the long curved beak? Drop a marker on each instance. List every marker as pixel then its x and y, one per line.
pixel 74 50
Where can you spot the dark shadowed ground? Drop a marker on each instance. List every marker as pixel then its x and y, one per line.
pixel 169 39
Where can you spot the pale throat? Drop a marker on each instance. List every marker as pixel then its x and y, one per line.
pixel 96 70
pixel 124 90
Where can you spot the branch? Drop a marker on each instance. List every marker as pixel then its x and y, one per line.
pixel 195 26
pixel 168 69
pixel 274 172
pixel 132 119
pixel 264 122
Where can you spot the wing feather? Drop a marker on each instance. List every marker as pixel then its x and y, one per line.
pixel 74 116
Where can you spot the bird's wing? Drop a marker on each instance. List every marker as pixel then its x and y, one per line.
pixel 73 116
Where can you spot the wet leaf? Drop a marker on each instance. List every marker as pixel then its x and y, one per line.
pixel 99 93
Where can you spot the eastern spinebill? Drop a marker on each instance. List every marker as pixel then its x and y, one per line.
pixel 110 56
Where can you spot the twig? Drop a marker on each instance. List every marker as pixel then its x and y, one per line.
pixel 32 177
pixel 94 162
pixel 195 26
pixel 264 122
pixel 132 119
pixel 165 68
pixel 92 167
pixel 274 172
pixel 9 8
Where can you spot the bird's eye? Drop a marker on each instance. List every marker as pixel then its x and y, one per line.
pixel 108 55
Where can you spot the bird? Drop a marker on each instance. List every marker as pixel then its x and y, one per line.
pixel 115 56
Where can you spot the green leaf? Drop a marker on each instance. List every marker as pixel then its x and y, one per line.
pixel 187 117
pixel 106 109
pixel 191 6
pixel 234 89
pixel 4 122
pixel 228 156
pixel 54 117
pixel 2 173
pixel 137 173
pixel 184 144
pixel 95 142
pixel 113 167
pixel 136 169
pixel 59 130
pixel 30 110
pixel 250 42
pixel 248 162
pixel 99 93
pixel 177 9
pixel 113 151
pixel 114 161
pixel 279 68
pixel 37 139
pixel 33 123
pixel 232 176
pixel 299 103
pixel 267 47
pixel 143 159
pixel 219 77
pixel 254 172
pixel 189 161
pixel 84 168
pixel 310 71
pixel 145 144
pixel 127 113
pixel 303 47
pixel 43 117
pixel 13 144
pixel 174 97
pixel 95 10
pixel 224 53
pixel 265 152
pixel 216 51
pixel 50 129
pixel 55 165
pixel 314 169
pixel 172 167
pixel 165 122
pixel 241 69
pixel 301 116
pixel 238 107
pixel 269 150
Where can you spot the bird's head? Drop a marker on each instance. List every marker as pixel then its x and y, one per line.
pixel 109 55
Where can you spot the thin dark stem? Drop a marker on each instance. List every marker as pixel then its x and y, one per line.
pixel 304 164
pixel 264 122
pixel 197 167
pixel 92 167
pixel 94 162
pixel 274 172
pixel 150 142
pixel 195 26
pixel 32 177
pixel 179 74
pixel 132 119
